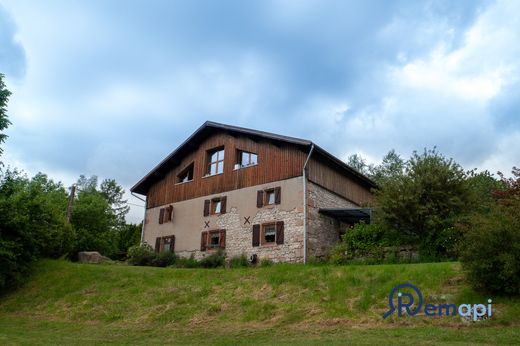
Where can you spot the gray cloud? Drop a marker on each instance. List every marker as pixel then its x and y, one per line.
pixel 12 55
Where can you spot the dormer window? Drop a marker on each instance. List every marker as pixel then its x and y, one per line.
pixel 245 159
pixel 186 175
pixel 215 162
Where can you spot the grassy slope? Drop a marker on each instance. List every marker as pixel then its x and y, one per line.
pixel 73 303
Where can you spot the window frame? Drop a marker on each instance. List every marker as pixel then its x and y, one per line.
pixel 239 156
pixel 210 237
pixel 210 163
pixel 267 193
pixel 186 170
pixel 213 206
pixel 160 242
pixel 263 229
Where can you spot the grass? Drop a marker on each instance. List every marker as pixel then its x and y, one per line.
pixel 69 303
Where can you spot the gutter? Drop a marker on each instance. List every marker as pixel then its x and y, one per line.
pixel 144 217
pixel 305 205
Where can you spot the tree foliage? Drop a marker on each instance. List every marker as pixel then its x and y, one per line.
pixel 4 121
pixel 32 223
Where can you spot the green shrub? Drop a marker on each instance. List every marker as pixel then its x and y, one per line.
pixel 141 255
pixel 491 251
pixel 215 260
pixel 190 262
pixel 239 261
pixel 164 259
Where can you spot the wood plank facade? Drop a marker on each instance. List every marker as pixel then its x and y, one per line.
pixel 275 162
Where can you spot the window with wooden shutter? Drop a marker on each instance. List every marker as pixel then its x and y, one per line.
pixel 256 235
pixel 277 195
pixel 168 244
pixel 161 216
pixel 203 241
pixel 206 207
pixel 279 232
pixel 168 214
pixel 260 199
pixel 157 244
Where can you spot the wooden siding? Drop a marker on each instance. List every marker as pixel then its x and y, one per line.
pixel 274 163
pixel 334 180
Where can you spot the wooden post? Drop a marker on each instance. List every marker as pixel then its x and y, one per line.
pixel 71 202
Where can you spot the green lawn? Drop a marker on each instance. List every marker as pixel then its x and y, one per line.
pixel 68 303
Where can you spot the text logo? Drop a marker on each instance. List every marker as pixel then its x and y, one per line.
pixel 410 301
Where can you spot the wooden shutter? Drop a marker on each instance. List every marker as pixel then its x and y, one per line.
pixel 157 244
pixel 161 216
pixel 222 243
pixel 279 232
pixel 260 199
pixel 223 203
pixel 172 245
pixel 203 240
pixel 277 195
pixel 256 235
pixel 206 207
pixel 169 213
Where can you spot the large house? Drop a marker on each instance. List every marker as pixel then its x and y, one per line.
pixel 251 192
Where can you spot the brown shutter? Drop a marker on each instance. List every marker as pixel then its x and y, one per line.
pixel 206 207
pixel 157 244
pixel 260 199
pixel 203 240
pixel 279 232
pixel 277 195
pixel 169 214
pixel 223 203
pixel 161 216
pixel 172 245
pixel 256 235
pixel 222 243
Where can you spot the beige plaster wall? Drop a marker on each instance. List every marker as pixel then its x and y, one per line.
pixel 188 222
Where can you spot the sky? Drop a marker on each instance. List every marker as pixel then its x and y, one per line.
pixel 110 87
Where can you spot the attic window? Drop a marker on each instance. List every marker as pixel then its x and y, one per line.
pixel 215 162
pixel 245 159
pixel 186 175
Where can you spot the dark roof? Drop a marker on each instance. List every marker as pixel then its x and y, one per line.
pixel 350 215
pixel 210 127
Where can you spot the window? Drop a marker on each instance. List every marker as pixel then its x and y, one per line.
pixel 215 239
pixel 186 174
pixel 271 233
pixel 215 163
pixel 165 244
pixel 245 158
pixel 269 197
pixel 215 206
pixel 166 214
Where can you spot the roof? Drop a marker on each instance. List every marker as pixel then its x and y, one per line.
pixel 350 215
pixel 210 127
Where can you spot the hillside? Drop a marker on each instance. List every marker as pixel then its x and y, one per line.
pixel 69 303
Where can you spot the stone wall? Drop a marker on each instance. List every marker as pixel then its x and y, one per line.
pixel 323 231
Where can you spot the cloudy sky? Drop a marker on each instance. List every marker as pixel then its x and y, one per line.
pixel 111 87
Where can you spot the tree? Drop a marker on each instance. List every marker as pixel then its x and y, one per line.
pixel 114 193
pixel 32 223
pixel 4 121
pixel 357 162
pixel 392 167
pixel 425 202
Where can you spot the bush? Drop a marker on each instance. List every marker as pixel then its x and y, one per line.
pixel 366 241
pixel 239 261
pixel 141 255
pixel 190 262
pixel 491 252
pixel 164 259
pixel 266 262
pixel 215 260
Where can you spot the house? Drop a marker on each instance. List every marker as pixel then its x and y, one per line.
pixel 250 192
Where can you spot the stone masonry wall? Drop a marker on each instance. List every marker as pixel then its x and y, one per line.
pixel 323 231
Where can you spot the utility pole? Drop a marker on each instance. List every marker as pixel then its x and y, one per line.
pixel 71 202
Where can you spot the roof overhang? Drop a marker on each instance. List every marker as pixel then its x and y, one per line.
pixel 348 215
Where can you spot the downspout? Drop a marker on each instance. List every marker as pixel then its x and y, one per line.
pixel 305 205
pixel 144 217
